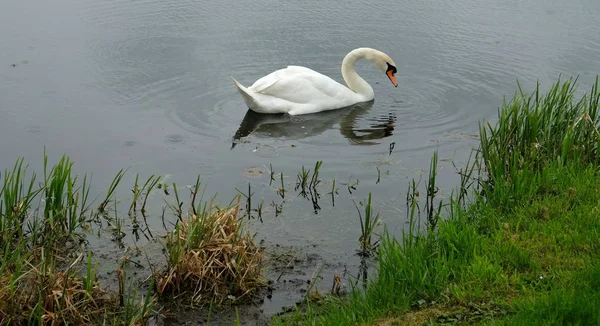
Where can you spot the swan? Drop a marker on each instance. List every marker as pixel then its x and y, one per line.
pixel 297 90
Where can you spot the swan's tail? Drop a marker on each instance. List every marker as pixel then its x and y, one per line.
pixel 245 95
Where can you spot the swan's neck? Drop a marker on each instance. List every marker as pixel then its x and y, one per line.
pixel 352 79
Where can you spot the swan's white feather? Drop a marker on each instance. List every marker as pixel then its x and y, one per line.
pixel 298 90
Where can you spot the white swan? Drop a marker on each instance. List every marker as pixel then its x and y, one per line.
pixel 299 90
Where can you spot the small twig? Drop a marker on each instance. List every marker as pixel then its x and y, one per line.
pixel 286 267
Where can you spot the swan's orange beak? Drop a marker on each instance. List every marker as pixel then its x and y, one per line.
pixel 390 74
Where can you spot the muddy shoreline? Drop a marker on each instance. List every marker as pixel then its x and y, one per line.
pixel 289 269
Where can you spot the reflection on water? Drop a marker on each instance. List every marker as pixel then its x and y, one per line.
pixel 304 126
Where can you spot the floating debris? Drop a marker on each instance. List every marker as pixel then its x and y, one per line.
pixel 254 172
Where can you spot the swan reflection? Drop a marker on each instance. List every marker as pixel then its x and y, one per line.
pixel 303 126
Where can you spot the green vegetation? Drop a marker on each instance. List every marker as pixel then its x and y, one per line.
pixel 519 241
pixel 38 284
pixel 49 276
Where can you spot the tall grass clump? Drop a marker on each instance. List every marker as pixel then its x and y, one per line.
pixel 210 257
pixel 62 212
pixel 65 202
pixel 536 130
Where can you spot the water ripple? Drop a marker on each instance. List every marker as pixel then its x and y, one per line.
pixel 456 60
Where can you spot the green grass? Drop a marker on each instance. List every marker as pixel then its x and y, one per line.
pixel 522 251
pixel 537 130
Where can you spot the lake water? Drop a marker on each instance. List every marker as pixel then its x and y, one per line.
pixel 146 84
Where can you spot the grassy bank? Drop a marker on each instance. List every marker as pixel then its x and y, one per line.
pixel 518 242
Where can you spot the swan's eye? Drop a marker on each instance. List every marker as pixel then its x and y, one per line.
pixel 390 68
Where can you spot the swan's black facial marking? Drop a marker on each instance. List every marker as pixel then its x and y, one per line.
pixel 391 68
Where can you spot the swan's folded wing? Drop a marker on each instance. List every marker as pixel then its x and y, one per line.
pixel 304 86
pixel 265 82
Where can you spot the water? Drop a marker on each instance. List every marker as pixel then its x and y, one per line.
pixel 146 84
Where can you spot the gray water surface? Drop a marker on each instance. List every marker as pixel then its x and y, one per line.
pixel 146 84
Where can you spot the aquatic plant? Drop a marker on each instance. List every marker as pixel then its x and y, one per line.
pixel 303 182
pixel 367 227
pixel 432 190
pixel 111 190
pixel 281 191
pixel 248 197
pixel 333 192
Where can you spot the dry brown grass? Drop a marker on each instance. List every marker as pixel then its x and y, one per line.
pixel 211 257
pixel 53 298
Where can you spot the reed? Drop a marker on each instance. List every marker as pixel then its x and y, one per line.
pixel 248 197
pixel 307 182
pixel 281 190
pixel 62 200
pixel 111 190
pixel 177 208
pixel 314 180
pixel 433 214
pixel 271 174
pixel 148 186
pixel 333 192
pixel 302 180
pixel 136 194
pixel 367 227
pixel 470 178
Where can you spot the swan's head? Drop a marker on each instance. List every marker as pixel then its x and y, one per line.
pixel 385 63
